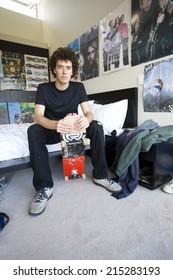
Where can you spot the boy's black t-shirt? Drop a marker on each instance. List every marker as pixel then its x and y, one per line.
pixel 60 103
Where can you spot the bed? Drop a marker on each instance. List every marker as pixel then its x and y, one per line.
pixel 105 105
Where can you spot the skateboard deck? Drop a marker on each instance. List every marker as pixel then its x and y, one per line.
pixel 73 152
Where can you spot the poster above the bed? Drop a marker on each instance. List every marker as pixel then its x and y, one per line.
pixel 13 71
pixel 158 84
pixel 89 53
pixel 152 30
pixel 115 39
pixel 36 69
pixel 74 45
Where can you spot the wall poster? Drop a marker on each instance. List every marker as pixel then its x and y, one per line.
pixel 75 47
pixel 36 69
pixel 13 71
pixel 89 54
pixel 152 30
pixel 115 38
pixel 158 84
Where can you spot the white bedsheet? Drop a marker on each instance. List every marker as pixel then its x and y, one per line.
pixel 14 142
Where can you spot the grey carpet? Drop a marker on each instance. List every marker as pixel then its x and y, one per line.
pixel 83 221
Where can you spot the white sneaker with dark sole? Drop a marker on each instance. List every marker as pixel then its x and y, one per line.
pixel 168 188
pixel 38 204
pixel 108 184
pixel 3 182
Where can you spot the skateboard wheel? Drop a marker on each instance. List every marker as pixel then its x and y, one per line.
pixel 83 176
pixel 85 141
pixel 66 178
pixel 63 144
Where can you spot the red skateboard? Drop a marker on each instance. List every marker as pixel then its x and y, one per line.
pixel 73 152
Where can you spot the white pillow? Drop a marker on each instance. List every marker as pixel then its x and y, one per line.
pixel 112 115
pixel 80 112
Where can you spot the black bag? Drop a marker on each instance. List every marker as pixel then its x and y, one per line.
pixel 4 219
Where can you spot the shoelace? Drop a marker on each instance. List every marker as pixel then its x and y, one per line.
pixel 40 196
pixel 109 181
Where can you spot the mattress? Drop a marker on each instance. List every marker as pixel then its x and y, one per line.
pixel 14 142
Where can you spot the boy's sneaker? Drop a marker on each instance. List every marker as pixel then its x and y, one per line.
pixel 108 184
pixel 3 182
pixel 38 204
pixel 168 188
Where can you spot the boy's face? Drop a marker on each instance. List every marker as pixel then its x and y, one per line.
pixel 63 71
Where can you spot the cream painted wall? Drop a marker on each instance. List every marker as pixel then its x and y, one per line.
pixel 65 20
pixel 62 22
pixel 21 29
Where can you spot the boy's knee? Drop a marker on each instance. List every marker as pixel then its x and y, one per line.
pixel 33 129
pixel 96 125
pixel 96 128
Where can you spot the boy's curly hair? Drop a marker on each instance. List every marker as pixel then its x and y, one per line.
pixel 64 54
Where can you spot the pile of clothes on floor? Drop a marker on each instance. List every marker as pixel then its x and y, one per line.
pixel 128 146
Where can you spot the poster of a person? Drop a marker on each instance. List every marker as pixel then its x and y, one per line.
pixel 158 83
pixel 89 54
pixel 115 39
pixel 151 30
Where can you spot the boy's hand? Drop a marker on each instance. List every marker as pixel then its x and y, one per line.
pixel 71 123
pixel 81 123
pixel 64 127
